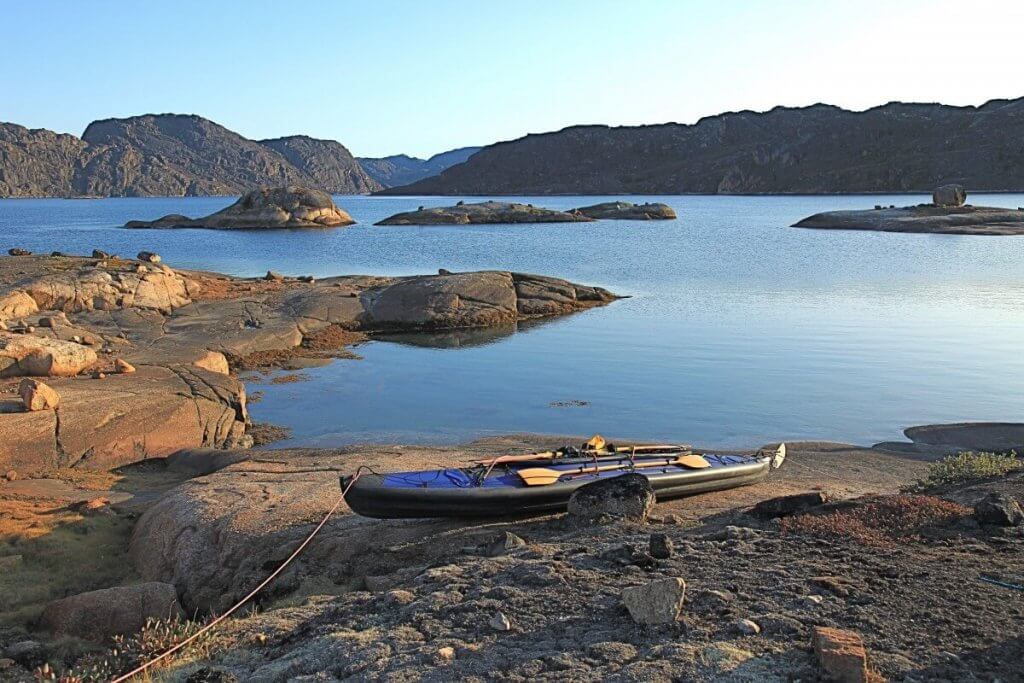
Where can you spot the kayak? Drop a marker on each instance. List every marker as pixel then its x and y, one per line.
pixel 522 486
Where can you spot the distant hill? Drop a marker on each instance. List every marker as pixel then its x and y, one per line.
pixel 818 149
pixel 327 162
pixel 402 169
pixel 167 155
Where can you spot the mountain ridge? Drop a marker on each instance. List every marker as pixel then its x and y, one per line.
pixel 168 155
pixel 402 169
pixel 817 149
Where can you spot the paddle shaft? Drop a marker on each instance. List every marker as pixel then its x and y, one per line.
pixel 539 476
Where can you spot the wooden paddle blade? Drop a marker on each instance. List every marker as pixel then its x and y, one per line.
pixel 539 476
pixel 595 443
pixel 693 461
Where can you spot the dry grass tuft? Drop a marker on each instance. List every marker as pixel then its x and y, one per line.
pixel 128 652
pixel 881 522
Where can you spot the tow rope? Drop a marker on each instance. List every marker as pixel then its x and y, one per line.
pixel 252 593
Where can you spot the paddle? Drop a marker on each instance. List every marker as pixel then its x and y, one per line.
pixel 551 455
pixel 542 476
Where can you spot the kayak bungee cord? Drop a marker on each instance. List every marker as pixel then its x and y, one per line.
pixel 146 665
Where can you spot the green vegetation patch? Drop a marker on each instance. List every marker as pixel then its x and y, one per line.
pixel 968 466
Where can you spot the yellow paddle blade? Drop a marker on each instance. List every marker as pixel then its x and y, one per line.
pixel 693 461
pixel 539 476
pixel 596 443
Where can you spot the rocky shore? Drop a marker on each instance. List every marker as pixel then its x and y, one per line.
pixel 484 212
pixel 80 323
pixel 759 583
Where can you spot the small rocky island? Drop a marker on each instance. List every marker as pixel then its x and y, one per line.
pixel 484 212
pixel 651 211
pixel 264 208
pixel 946 215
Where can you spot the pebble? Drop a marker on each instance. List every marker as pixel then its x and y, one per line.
pixel 499 622
pixel 813 599
pixel 445 654
pixel 660 546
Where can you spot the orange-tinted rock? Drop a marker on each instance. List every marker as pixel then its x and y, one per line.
pixel 38 396
pixel 842 654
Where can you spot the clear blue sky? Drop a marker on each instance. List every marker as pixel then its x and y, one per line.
pixel 420 77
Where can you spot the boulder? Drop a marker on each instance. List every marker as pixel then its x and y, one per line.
pixel 628 496
pixel 841 654
pixel 784 506
pixel 17 304
pixel 97 289
pixel 19 252
pixel 152 412
pixel 214 361
pixel 628 211
pixel 484 212
pixel 658 602
pixel 26 354
pixel 480 299
pixel 148 257
pixel 463 300
pixel 38 396
pixel 101 614
pixel 250 515
pixel 999 509
pixel 949 195
pixel 264 208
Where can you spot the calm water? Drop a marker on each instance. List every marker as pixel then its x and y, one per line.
pixel 739 330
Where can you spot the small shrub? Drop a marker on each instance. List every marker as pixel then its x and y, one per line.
pixel 880 522
pixel 968 466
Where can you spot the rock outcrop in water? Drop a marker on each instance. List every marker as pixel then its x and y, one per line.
pixel 946 216
pixel 167 155
pixel 818 149
pixel 484 212
pixel 628 211
pixel 264 208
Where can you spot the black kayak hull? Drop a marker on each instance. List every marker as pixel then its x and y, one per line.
pixel 370 497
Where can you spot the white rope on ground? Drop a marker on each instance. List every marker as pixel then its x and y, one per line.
pixel 253 592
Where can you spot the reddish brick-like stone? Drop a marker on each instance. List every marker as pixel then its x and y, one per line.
pixel 841 654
